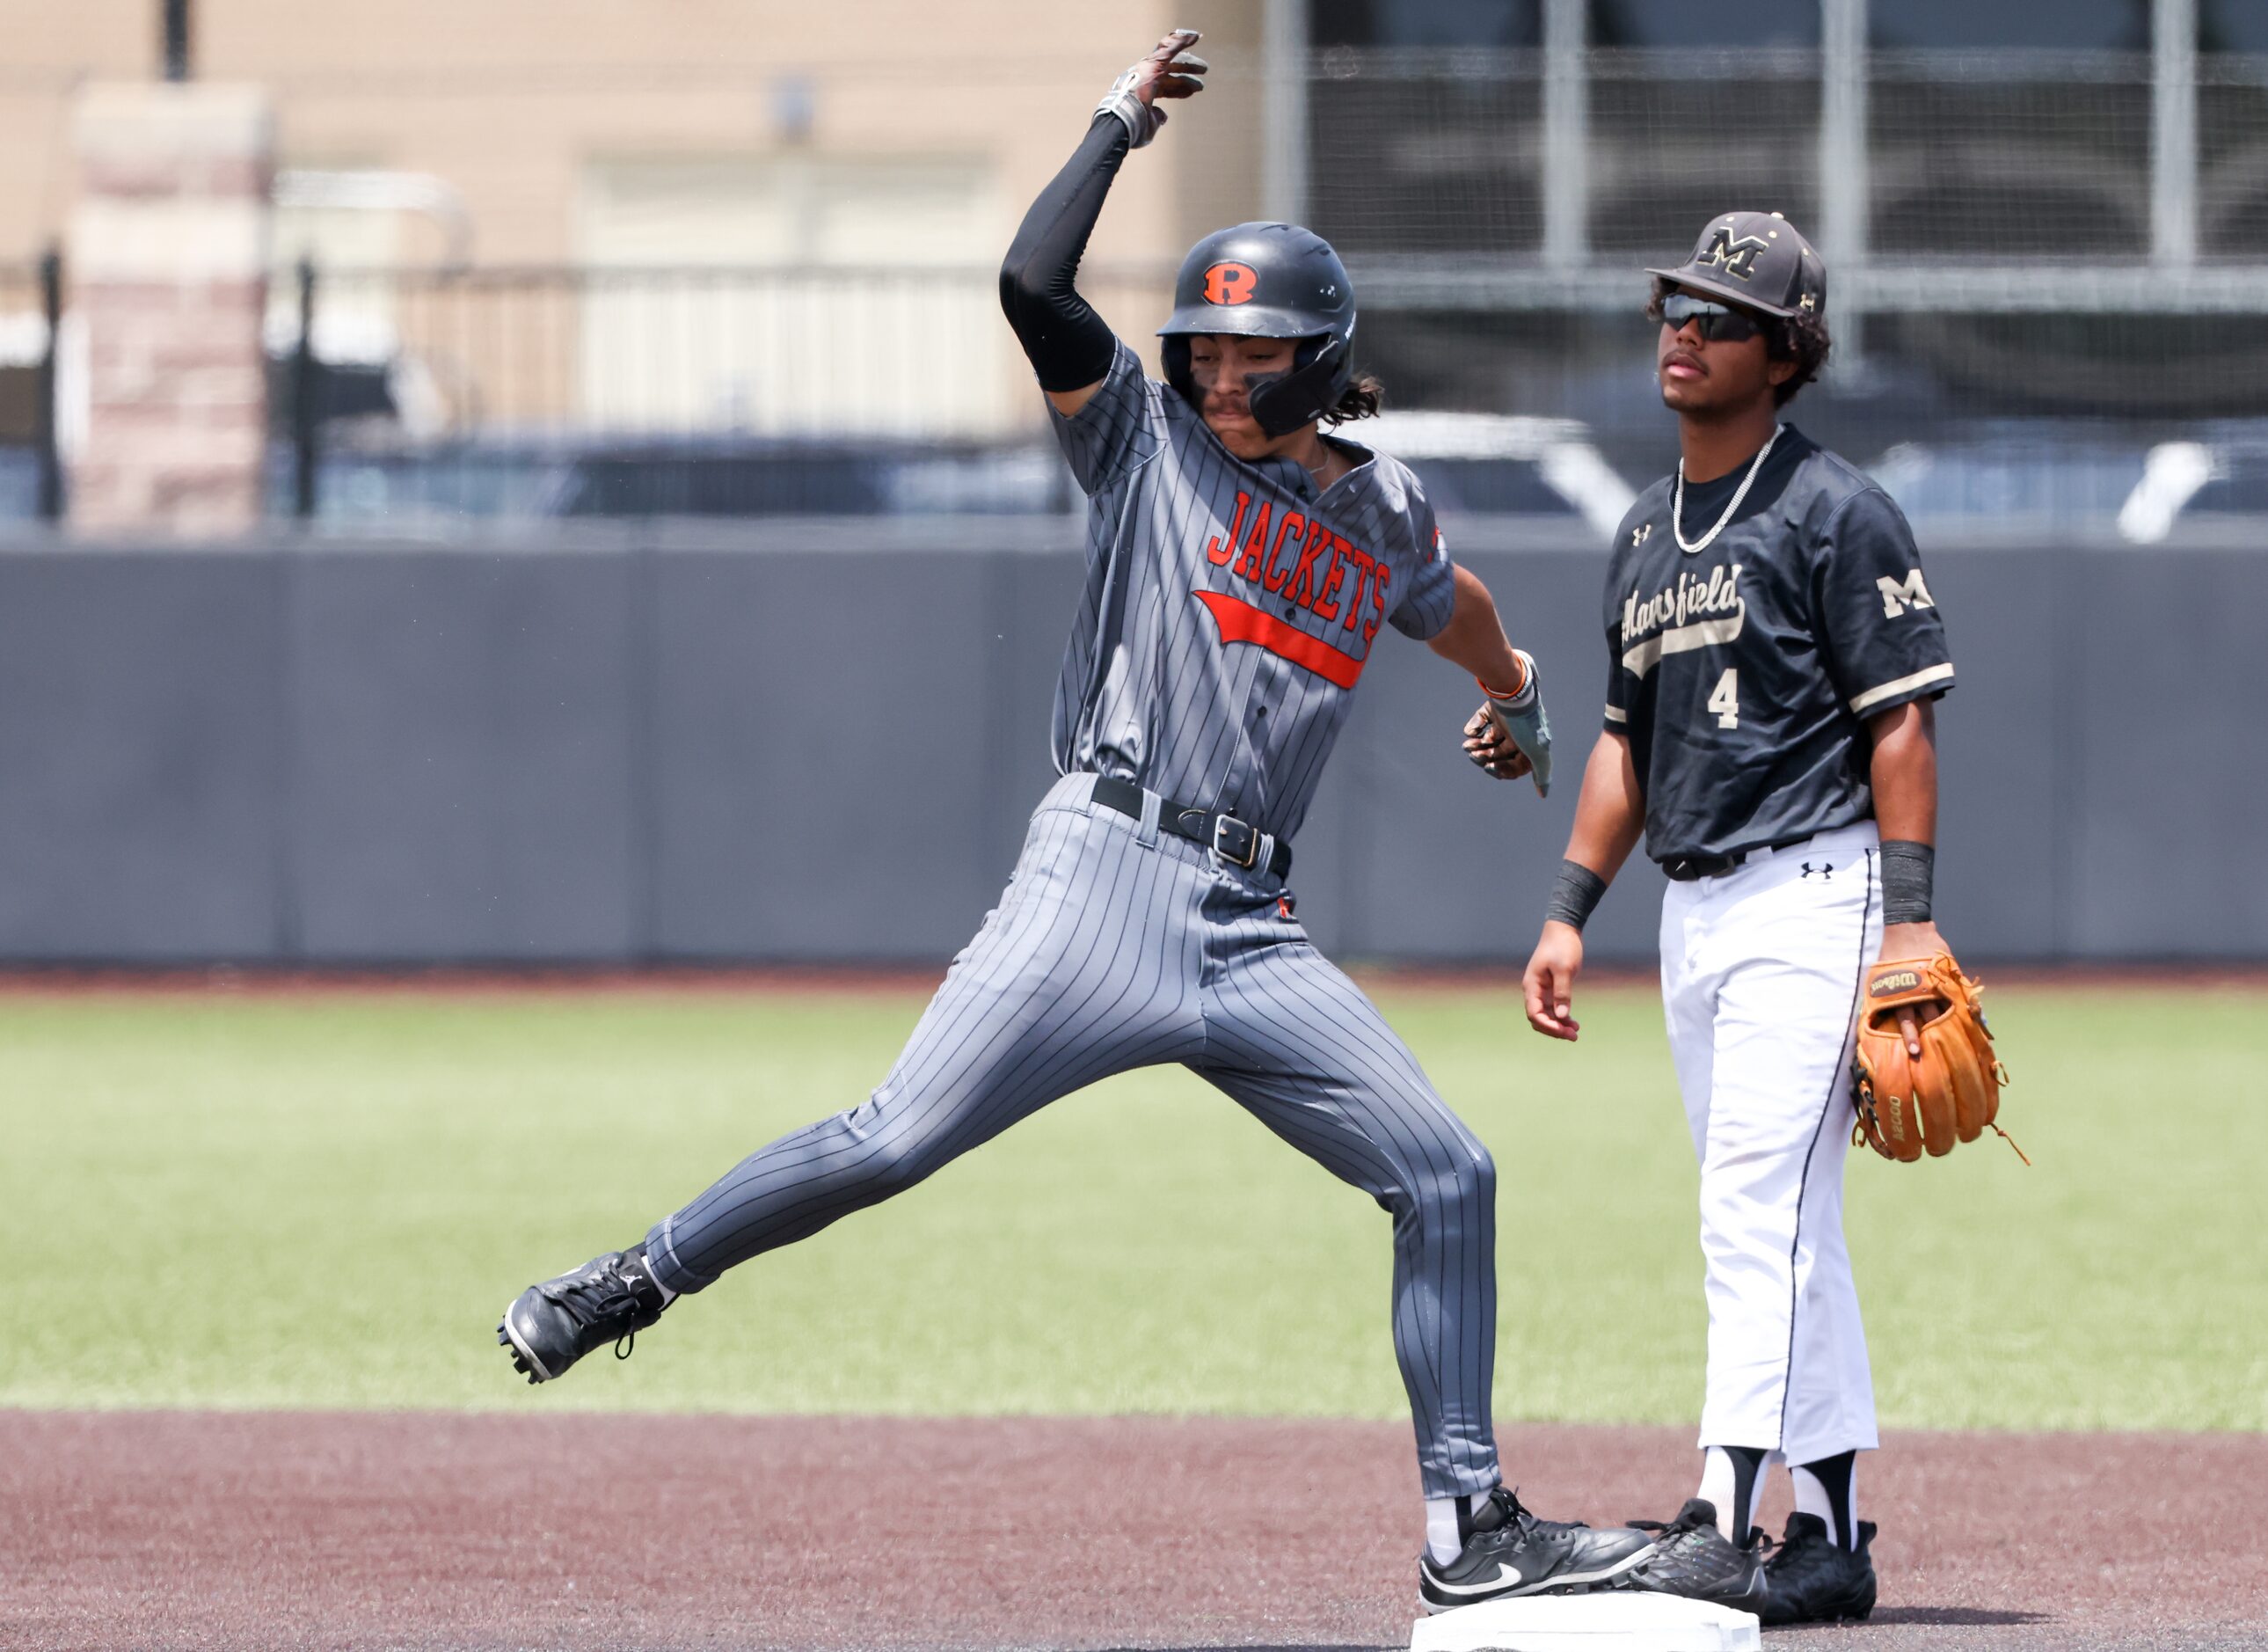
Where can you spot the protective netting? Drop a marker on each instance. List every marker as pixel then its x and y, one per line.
pixel 2030 298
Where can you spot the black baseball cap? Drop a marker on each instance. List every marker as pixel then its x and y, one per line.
pixel 1756 260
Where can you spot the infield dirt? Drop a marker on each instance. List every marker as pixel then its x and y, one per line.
pixel 257 1531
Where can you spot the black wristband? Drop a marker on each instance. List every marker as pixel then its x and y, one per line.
pixel 1907 869
pixel 1574 893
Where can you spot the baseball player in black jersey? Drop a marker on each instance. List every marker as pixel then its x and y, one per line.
pixel 1774 654
pixel 1240 565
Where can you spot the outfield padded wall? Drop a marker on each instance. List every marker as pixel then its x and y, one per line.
pixel 623 751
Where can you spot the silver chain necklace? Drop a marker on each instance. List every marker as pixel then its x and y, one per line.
pixel 1678 503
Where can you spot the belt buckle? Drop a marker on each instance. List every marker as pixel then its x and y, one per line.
pixel 1222 827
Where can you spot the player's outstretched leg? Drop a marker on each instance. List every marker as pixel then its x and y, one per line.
pixel 1295 1041
pixel 1046 1000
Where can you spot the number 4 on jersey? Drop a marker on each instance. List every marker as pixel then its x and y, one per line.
pixel 1725 699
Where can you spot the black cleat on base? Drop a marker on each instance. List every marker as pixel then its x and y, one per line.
pixel 1812 1580
pixel 1511 1552
pixel 551 1325
pixel 1693 1560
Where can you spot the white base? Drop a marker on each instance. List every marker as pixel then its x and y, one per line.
pixel 1608 1622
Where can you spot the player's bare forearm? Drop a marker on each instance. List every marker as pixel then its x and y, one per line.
pixel 1610 810
pixel 1609 815
pixel 1904 772
pixel 1474 639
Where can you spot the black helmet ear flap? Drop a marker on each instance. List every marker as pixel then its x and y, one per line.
pixel 1174 356
pixel 1285 401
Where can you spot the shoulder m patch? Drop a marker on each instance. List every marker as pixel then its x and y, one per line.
pixel 1899 595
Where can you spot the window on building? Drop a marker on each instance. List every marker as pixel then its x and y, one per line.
pixel 1985 25
pixel 1719 23
pixel 1427 22
pixel 2232 26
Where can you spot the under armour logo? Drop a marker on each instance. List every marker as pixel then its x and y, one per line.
pixel 1639 534
pixel 1823 868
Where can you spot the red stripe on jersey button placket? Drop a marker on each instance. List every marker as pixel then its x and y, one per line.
pixel 1241 622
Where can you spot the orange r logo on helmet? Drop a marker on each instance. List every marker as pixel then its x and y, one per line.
pixel 1230 284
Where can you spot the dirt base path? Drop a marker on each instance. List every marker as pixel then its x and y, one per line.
pixel 428 1531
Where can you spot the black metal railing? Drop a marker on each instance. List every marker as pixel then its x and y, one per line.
pixel 597 390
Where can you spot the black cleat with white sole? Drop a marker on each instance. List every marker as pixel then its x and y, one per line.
pixel 1510 1551
pixel 1693 1559
pixel 1814 1579
pixel 551 1325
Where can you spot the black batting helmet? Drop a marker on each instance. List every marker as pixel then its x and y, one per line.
pixel 1268 281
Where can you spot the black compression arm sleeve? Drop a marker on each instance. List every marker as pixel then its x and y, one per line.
pixel 1069 345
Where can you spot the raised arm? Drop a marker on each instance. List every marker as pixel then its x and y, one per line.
pixel 1069 345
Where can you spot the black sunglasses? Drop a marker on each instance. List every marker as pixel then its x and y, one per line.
pixel 1716 323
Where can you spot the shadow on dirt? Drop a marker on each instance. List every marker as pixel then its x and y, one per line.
pixel 1956 1617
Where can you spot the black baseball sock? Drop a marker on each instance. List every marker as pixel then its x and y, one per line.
pixel 1825 1488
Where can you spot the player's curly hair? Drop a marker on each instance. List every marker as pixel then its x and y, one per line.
pixel 1801 339
pixel 1361 400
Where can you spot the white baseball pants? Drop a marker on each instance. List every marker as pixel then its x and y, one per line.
pixel 1760 976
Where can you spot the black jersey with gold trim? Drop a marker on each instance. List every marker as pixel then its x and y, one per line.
pixel 1743 673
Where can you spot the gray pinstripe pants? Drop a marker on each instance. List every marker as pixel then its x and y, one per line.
pixel 1115 946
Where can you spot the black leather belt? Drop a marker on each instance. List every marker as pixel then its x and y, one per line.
pixel 1231 839
pixel 1686 869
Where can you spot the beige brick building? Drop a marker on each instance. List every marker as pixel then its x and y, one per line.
pixel 852 143
pixel 658 132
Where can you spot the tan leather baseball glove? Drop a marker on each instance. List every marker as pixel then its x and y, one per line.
pixel 1909 1105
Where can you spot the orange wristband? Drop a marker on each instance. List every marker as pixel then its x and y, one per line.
pixel 1499 694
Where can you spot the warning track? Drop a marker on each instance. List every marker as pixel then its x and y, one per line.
pixel 256 1531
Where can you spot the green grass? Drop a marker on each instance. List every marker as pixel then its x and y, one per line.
pixel 326 1199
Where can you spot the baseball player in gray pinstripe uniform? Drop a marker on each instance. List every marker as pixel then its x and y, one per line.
pixel 1241 566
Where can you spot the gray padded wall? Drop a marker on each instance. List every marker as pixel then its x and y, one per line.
pixel 644 751
pixel 831 774
pixel 142 756
pixel 463 764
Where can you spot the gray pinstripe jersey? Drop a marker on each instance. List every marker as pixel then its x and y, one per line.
pixel 1229 611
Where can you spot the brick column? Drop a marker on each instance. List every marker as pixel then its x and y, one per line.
pixel 167 264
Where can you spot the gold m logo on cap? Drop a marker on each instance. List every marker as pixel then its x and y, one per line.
pixel 1734 257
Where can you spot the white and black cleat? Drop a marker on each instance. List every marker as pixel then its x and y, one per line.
pixel 1509 1552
